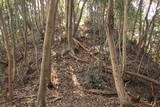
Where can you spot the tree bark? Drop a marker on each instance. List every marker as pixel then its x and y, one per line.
pixel 67 11
pixel 70 27
pixel 25 18
pixel 144 33
pixel 46 60
pixel 136 18
pixel 12 34
pixel 125 27
pixel 151 28
pixel 9 56
pixel 119 84
pixel 79 19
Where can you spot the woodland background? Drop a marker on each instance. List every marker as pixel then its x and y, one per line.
pixel 80 53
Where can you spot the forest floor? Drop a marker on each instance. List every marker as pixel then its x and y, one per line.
pixel 81 80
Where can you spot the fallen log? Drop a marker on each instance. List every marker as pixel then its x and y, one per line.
pixel 143 77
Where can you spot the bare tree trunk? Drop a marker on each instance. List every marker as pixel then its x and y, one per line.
pixel 149 38
pixel 122 94
pixel 9 56
pixel 73 18
pixel 67 11
pixel 79 19
pixel 12 34
pixel 42 12
pixel 46 60
pixel 144 33
pixel 70 27
pixel 125 27
pixel 136 18
pixel 149 26
pixel 24 14
pixel 35 45
pixel 140 21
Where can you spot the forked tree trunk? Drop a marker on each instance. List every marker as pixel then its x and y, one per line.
pixel 119 84
pixel 46 59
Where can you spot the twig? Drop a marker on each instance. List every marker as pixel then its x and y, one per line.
pixel 57 98
pixel 78 59
pixel 99 92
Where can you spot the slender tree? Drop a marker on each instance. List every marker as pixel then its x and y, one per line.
pixel 136 18
pixel 125 100
pixel 79 19
pixel 9 55
pixel 125 27
pixel 25 18
pixel 12 34
pixel 146 27
pixel 70 26
pixel 66 16
pixel 46 60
